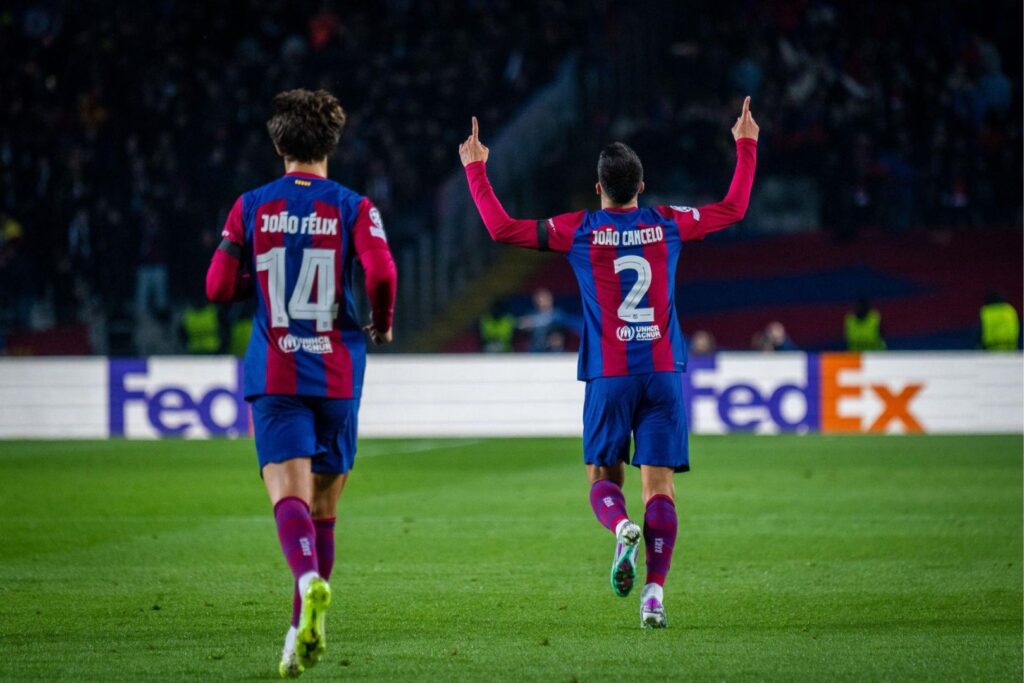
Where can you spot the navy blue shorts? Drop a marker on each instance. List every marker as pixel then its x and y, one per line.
pixel 647 408
pixel 323 429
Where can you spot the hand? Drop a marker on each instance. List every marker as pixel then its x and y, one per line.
pixel 746 126
pixel 472 149
pixel 376 336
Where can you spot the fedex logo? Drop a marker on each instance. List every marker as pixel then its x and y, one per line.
pixel 743 393
pixel 859 394
pixel 831 392
pixel 176 397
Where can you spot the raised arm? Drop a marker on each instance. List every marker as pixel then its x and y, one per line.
pixel 696 223
pixel 553 234
pixel 518 232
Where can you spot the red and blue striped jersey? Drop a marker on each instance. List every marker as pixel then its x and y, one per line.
pixel 625 262
pixel 300 235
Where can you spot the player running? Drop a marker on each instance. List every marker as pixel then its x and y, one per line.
pixel 631 351
pixel 295 241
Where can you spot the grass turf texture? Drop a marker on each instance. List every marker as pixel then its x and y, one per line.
pixel 799 558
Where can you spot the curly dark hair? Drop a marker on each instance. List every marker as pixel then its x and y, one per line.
pixel 306 125
pixel 620 172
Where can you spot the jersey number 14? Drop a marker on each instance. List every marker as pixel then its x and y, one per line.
pixel 317 266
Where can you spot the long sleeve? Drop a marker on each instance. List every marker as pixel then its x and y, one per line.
pixel 503 228
pixel 733 207
pixel 223 282
pixel 553 234
pixel 381 286
pixel 371 246
pixel 696 223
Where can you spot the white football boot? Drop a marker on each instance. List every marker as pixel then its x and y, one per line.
pixel 623 575
pixel 652 609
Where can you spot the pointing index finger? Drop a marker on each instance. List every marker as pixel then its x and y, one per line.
pixel 746 106
pixel 476 129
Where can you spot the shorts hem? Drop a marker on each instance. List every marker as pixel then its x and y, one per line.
pixel 678 469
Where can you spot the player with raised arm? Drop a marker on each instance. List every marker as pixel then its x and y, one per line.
pixel 295 242
pixel 632 350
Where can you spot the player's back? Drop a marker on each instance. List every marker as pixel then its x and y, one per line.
pixel 299 237
pixel 625 261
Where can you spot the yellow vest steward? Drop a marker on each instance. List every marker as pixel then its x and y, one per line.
pixel 240 333
pixel 202 329
pixel 498 331
pixel 864 334
pixel 1000 327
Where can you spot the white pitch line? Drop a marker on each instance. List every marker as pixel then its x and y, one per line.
pixel 420 446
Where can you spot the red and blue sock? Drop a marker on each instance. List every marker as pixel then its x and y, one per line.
pixel 608 503
pixel 297 535
pixel 660 527
pixel 325 559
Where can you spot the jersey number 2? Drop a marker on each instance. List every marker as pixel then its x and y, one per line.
pixel 317 265
pixel 628 310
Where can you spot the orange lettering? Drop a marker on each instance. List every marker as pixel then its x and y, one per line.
pixel 831 391
pixel 897 407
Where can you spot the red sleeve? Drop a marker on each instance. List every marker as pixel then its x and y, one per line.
pixel 529 233
pixel 234 228
pixel 224 283
pixel 371 245
pixel 696 223
pixel 561 229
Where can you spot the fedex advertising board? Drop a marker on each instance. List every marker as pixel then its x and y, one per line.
pixel 178 397
pixel 526 395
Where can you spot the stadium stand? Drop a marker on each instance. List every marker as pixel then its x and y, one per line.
pixel 111 198
pixel 929 293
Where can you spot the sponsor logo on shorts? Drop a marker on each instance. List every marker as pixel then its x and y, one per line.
pixel 628 333
pixel 289 343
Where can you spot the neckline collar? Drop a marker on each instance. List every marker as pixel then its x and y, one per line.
pixel 302 174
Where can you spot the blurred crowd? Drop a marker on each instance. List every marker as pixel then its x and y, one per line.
pixel 902 114
pixel 127 129
pixel 548 329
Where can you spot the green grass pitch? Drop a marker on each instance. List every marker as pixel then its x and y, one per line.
pixel 799 558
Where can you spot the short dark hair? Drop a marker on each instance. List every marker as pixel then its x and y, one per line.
pixel 306 125
pixel 620 172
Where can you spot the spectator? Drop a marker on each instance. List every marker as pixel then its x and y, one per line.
pixel 775 338
pixel 497 329
pixel 863 328
pixel 779 338
pixel 151 276
pixel 702 343
pixel 1000 324
pixel 544 320
pixel 200 328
